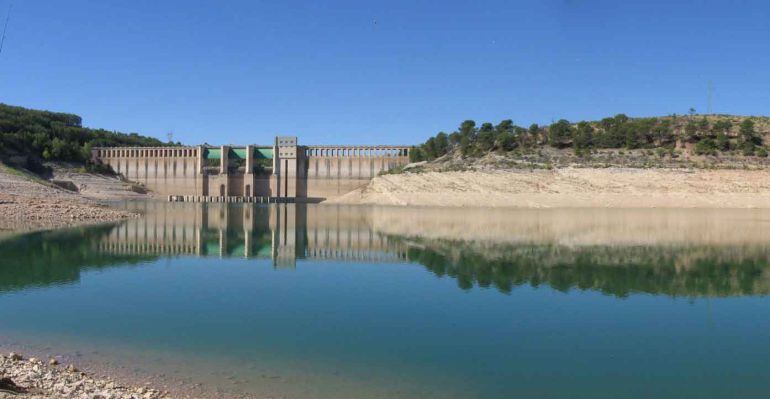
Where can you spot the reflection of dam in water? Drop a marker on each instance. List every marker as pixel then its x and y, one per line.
pixel 283 233
pixel 620 253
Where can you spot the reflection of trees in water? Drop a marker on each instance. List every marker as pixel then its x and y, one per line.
pixel 618 271
pixel 55 257
pixel 59 257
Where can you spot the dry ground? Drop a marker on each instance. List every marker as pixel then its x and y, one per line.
pixel 27 203
pixel 571 187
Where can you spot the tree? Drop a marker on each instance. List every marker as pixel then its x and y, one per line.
pixel 560 134
pixel 522 136
pixel 723 142
pixel 533 132
pixel 584 137
pixel 416 154
pixel 442 144
pixel 703 128
pixel 721 126
pixel 748 133
pixel 468 129
pixel 465 146
pixel 748 137
pixel 534 129
pixel 705 147
pixel 504 135
pixel 430 149
pixel 486 137
pixel 662 134
pixel 454 139
pixel 613 133
pixel 691 131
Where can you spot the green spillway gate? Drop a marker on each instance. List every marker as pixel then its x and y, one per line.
pixel 238 153
pixel 264 153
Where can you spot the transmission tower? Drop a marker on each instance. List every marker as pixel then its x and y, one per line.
pixel 5 27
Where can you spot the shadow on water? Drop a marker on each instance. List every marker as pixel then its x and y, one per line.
pixel 653 253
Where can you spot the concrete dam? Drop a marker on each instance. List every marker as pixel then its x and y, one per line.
pixel 282 170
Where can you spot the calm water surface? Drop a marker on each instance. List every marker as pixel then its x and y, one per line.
pixel 354 302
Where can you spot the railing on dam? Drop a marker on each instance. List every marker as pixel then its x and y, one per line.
pixel 365 151
pixel 368 151
pixel 146 152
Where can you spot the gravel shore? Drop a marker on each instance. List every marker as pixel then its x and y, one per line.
pixel 37 379
pixel 29 204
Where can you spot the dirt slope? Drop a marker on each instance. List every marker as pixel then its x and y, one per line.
pixel 571 187
pixel 27 203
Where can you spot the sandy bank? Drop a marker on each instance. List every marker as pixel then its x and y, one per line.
pixel 28 204
pixel 570 188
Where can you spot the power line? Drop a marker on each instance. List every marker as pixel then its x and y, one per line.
pixel 5 28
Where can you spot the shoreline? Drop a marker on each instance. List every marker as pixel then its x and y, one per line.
pixel 29 204
pixel 569 188
pixel 44 378
pixel 84 372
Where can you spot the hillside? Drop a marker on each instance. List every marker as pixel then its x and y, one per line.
pixel 29 203
pixel 29 137
pixel 695 161
pixel 722 141
pixel 570 188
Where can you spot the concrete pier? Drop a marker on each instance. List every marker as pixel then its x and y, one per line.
pixel 236 199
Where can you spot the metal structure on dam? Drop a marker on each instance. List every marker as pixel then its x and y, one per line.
pixel 283 170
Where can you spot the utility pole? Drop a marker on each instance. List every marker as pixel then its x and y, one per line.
pixel 710 95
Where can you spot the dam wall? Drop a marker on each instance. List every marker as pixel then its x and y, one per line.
pixel 284 169
pixel 332 171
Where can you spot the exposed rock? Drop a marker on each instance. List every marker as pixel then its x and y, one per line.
pixel 28 203
pixel 6 384
pixel 34 379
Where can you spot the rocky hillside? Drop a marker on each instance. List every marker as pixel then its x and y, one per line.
pixel 706 141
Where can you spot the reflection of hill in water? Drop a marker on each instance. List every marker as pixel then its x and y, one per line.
pixel 610 252
pixel 55 257
pixel 613 270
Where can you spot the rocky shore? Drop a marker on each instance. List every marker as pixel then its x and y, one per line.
pixel 37 379
pixel 27 203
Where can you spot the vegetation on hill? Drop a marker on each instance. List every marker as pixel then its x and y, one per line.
pixel 52 136
pixel 695 134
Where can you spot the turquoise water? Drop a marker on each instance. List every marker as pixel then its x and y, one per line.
pixel 345 302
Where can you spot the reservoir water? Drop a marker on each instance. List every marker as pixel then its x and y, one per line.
pixel 368 302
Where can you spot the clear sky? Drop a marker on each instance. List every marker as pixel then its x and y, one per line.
pixel 389 72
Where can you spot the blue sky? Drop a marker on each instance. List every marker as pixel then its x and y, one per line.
pixel 390 72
